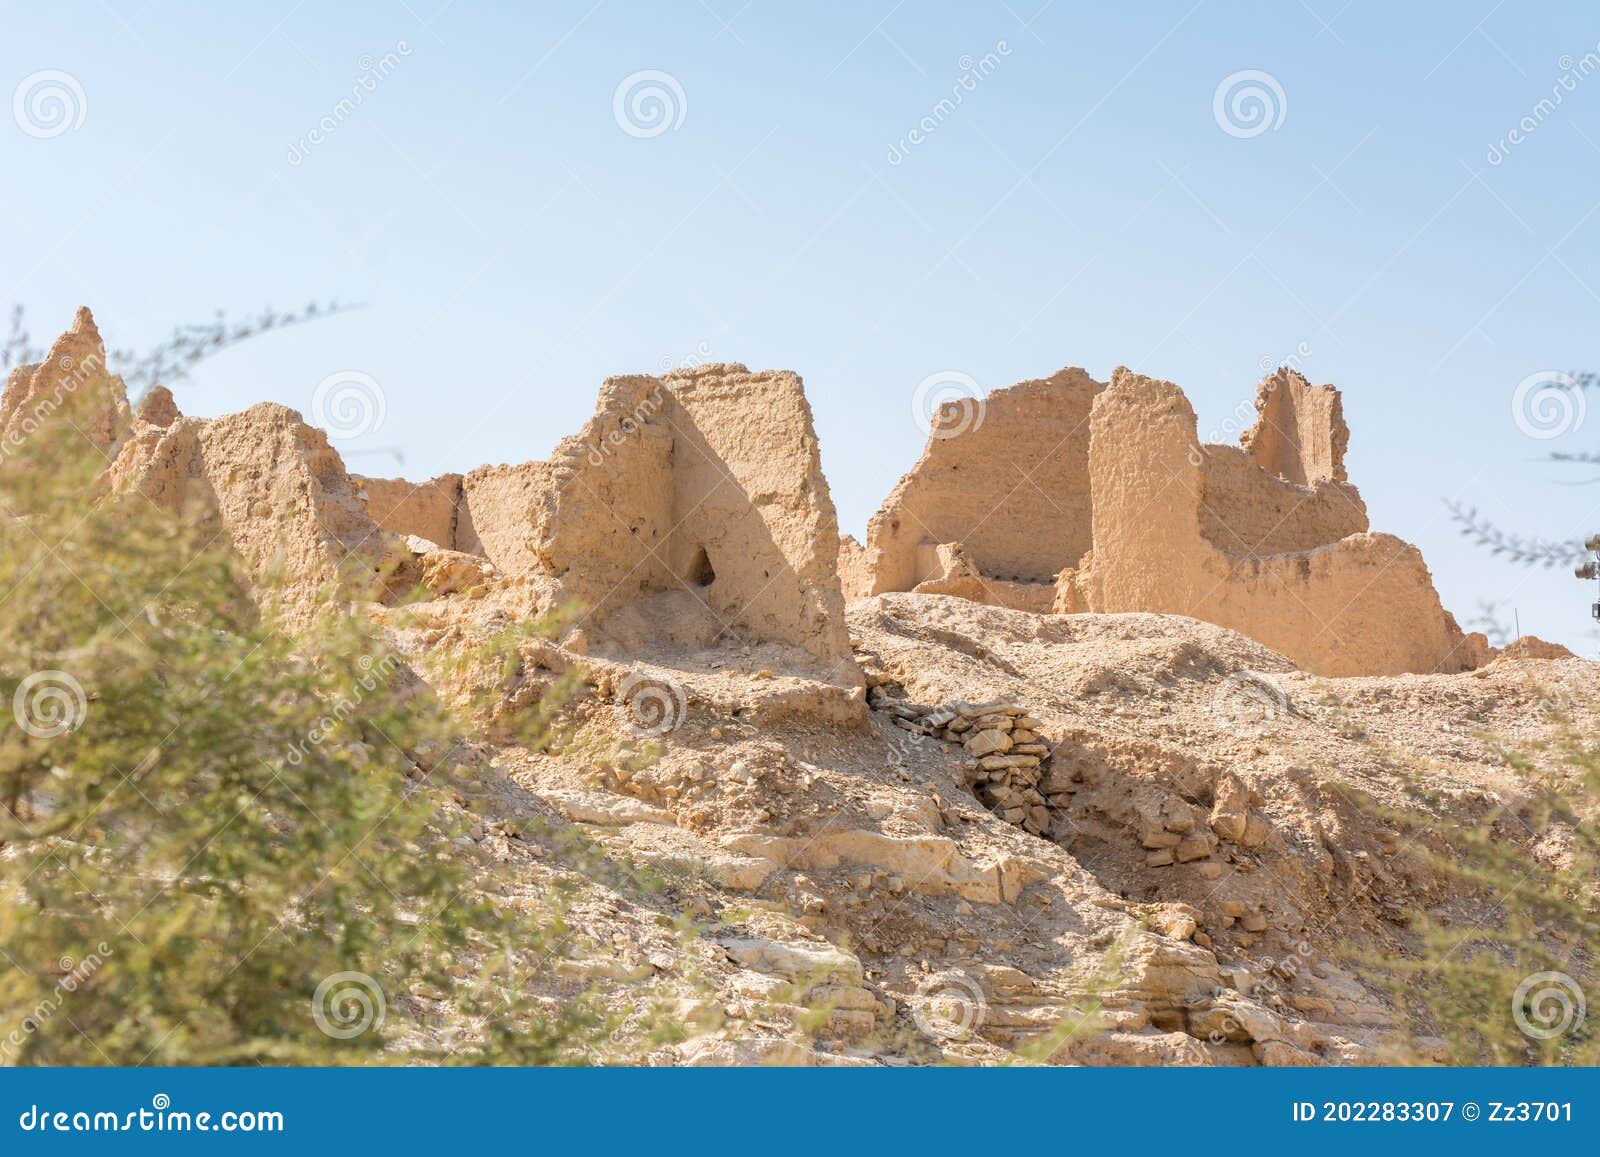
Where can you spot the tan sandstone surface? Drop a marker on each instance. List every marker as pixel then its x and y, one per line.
pixel 921 826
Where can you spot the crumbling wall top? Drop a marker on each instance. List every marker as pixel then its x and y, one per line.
pixel 1299 432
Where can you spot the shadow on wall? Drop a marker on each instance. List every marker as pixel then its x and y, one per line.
pixel 1012 489
pixel 1077 496
pixel 689 512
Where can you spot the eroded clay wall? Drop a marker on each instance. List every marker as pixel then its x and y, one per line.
pixel 601 522
pixel 1300 432
pixel 1362 605
pixel 706 483
pixel 1013 489
pixel 1246 510
pixel 277 490
pixel 72 385
pixel 426 509
pixel 496 512
pixel 754 523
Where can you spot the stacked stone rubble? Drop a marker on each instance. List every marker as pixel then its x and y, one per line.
pixel 1009 755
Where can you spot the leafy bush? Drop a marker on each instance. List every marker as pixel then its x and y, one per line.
pixel 1511 986
pixel 221 843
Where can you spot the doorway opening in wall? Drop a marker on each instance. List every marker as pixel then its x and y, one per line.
pixel 700 570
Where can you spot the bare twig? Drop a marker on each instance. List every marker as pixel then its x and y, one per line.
pixel 173 359
pixel 1515 547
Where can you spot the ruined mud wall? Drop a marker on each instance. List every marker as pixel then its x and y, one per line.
pixel 700 496
pixel 71 385
pixel 1362 605
pixel 277 491
pixel 1013 489
pixel 754 522
pixel 598 515
pixel 1300 432
pixel 706 484
pixel 1246 510
pixel 426 509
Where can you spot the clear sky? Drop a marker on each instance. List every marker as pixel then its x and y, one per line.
pixel 517 233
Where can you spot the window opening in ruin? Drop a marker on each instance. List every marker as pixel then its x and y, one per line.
pixel 700 571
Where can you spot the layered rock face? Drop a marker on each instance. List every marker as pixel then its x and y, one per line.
pixel 1075 496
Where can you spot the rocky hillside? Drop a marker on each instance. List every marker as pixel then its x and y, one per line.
pixel 1118 839
pixel 910 827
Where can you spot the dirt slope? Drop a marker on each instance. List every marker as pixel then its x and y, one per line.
pixel 1204 875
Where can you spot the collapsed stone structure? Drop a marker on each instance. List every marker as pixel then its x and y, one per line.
pixel 1100 497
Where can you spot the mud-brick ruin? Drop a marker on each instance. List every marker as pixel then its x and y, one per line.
pixel 690 509
pixel 981 760
pixel 1073 495
pixel 691 512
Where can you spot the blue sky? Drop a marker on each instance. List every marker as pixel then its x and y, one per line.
pixel 514 244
